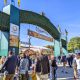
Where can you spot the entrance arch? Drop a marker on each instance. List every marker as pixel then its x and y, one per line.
pixel 39 20
pixel 30 18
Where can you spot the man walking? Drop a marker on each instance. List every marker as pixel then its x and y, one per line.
pixel 45 68
pixel 10 66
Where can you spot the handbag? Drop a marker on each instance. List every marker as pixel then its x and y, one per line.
pixel 33 76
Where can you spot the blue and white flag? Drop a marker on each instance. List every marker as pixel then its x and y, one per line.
pixel 13 2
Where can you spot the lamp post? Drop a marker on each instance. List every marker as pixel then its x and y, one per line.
pixel 29 41
pixel 66 39
pixel 29 38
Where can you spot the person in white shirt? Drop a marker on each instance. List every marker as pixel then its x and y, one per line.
pixel 77 65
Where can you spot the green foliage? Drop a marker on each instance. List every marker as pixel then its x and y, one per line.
pixel 74 44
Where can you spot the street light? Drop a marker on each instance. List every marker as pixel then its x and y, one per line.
pixel 29 41
pixel 29 38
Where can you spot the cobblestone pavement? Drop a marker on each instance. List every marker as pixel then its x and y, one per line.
pixel 62 75
pixel 65 76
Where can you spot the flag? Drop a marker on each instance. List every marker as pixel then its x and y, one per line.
pixel 59 29
pixel 13 2
pixel 66 32
pixel 19 3
pixel 5 2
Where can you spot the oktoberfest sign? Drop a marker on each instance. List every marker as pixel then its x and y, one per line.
pixel 40 36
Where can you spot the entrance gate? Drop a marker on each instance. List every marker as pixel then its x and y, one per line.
pixel 12 16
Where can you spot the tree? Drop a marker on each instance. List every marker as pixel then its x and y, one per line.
pixel 74 44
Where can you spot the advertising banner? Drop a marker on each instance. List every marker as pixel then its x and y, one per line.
pixel 14 29
pixel 40 36
pixel 14 41
pixel 14 35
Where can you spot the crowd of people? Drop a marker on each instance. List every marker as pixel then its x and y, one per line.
pixel 73 61
pixel 22 67
pixel 41 67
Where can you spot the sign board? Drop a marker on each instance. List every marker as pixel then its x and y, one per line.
pixel 14 29
pixel 14 41
pixel 14 35
pixel 40 36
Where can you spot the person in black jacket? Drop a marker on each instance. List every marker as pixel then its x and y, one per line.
pixel 38 67
pixel 10 66
pixel 45 68
pixel 53 68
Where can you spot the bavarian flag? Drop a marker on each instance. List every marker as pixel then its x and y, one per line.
pixel 5 2
pixel 19 3
pixel 12 0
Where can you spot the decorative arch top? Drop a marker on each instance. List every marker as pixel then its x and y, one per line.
pixel 30 18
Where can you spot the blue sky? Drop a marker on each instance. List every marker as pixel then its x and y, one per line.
pixel 65 13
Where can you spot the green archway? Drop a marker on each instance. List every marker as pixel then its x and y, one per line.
pixel 31 18
pixel 17 16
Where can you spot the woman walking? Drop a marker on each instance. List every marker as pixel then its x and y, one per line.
pixel 24 63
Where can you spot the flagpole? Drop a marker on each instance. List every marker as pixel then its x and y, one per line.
pixel 60 45
pixel 54 47
pixel 66 40
pixel 60 40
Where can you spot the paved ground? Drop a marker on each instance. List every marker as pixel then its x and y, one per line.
pixel 65 76
pixel 62 75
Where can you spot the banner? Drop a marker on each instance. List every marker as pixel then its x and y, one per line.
pixel 40 36
pixel 14 41
pixel 14 35
pixel 14 29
